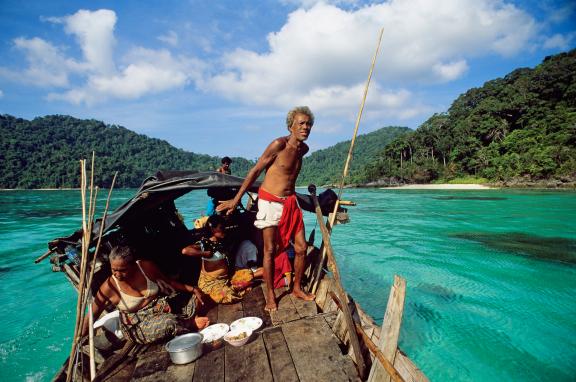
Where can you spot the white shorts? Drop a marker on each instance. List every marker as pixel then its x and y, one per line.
pixel 269 214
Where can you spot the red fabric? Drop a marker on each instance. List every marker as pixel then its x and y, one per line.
pixel 281 267
pixel 291 221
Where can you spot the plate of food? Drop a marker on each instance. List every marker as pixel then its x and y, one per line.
pixel 238 337
pixel 213 334
pixel 249 323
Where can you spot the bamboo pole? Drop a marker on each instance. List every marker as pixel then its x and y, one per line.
pixel 102 223
pixel 349 158
pixel 332 218
pixel 86 234
pixel 81 281
pixel 338 285
pixel 91 342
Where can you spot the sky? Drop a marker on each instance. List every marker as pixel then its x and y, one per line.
pixel 218 77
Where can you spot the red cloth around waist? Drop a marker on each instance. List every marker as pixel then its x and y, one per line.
pixel 291 221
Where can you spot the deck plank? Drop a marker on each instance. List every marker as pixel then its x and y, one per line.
pixel 304 308
pixel 315 352
pixel 286 310
pixel 253 306
pixel 210 367
pixel 281 363
pixel 248 362
pixel 152 364
pixel 180 373
pixel 227 313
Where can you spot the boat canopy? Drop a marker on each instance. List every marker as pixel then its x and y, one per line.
pixel 167 186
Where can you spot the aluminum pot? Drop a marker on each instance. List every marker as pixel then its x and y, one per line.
pixel 185 348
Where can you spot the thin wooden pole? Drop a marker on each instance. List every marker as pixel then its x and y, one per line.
pixel 102 223
pixel 390 369
pixel 332 217
pixel 91 342
pixel 82 266
pixel 359 117
pixel 338 285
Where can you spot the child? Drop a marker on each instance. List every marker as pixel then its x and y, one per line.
pixel 214 280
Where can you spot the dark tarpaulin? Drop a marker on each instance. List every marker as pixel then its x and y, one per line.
pixel 167 186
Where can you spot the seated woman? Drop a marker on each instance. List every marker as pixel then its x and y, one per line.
pixel 135 288
pixel 214 279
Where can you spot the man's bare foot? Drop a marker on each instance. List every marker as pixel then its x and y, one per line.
pixel 201 322
pixel 271 307
pixel 271 304
pixel 298 293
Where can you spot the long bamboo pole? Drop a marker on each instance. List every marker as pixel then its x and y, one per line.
pixel 82 266
pixel 332 217
pixel 357 125
pixel 86 234
pixel 102 223
pixel 361 366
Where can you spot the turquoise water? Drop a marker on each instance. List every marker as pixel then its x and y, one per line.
pixel 491 278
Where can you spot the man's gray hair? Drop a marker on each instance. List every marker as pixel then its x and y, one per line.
pixel 122 253
pixel 298 110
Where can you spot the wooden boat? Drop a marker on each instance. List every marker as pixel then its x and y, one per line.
pixel 301 341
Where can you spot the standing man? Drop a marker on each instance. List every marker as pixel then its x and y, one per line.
pixel 225 168
pixel 279 216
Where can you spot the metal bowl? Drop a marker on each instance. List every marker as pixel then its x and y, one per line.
pixel 185 348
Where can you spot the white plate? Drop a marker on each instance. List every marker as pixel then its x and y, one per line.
pixel 251 323
pixel 214 332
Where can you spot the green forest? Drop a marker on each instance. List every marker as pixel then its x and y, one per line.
pixel 325 166
pixel 45 153
pixel 520 128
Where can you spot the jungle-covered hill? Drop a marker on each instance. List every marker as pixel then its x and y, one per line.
pixel 44 153
pixel 516 129
pixel 325 166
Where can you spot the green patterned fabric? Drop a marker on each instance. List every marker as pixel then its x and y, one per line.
pixel 157 321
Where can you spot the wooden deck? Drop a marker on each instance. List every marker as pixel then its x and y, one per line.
pixel 296 343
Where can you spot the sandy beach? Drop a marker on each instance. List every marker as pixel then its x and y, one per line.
pixel 439 187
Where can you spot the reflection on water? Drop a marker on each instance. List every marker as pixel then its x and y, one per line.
pixel 539 247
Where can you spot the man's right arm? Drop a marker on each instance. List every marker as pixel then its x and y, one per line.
pixel 264 161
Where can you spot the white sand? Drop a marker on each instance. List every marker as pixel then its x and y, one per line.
pixel 439 187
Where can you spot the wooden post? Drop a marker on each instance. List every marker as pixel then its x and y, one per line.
pixel 91 342
pixel 338 286
pixel 388 342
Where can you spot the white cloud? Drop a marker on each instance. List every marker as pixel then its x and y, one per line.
pixel 450 71
pixel 146 72
pixel 321 55
pixel 559 41
pixel 94 32
pixel 1 93
pixel 170 38
pixel 140 72
pixel 47 66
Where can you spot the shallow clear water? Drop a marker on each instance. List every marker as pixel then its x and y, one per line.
pixel 491 278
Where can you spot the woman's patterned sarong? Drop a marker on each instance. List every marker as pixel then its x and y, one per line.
pixel 220 290
pixel 156 321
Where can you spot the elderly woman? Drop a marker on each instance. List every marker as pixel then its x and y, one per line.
pixel 135 287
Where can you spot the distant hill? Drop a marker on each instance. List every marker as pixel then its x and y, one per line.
pixel 44 153
pixel 513 130
pixel 325 166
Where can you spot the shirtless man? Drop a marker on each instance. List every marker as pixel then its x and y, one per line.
pixel 279 217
